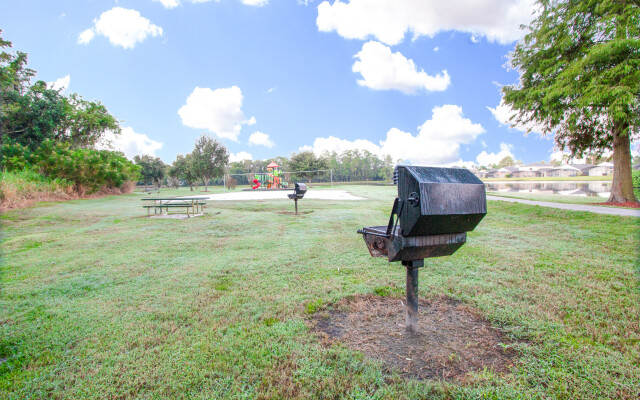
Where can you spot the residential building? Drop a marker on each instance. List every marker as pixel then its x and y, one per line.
pixel 602 169
pixel 506 172
pixel 536 166
pixel 570 170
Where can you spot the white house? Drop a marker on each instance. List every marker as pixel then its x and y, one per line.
pixel 563 170
pixel 536 166
pixel 584 168
pixel 504 171
pixel 570 170
pixel 602 169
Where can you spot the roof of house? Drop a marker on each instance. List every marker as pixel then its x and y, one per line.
pixel 606 164
pixel 582 167
pixel 536 164
pixel 567 166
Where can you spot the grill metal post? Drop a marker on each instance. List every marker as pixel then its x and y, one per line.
pixel 412 294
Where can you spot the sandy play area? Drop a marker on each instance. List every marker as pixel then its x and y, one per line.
pixel 325 194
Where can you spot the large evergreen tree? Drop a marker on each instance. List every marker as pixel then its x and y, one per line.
pixel 580 80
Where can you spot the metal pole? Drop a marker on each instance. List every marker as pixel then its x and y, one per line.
pixel 412 294
pixel 331 179
pixel 296 201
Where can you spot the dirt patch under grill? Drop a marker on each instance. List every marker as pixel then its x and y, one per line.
pixel 453 339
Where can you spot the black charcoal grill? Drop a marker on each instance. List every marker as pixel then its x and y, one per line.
pixel 431 216
pixel 298 193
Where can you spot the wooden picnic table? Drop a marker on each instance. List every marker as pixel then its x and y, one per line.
pixel 193 203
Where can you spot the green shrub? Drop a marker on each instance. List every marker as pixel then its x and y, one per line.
pixel 636 183
pixel 88 170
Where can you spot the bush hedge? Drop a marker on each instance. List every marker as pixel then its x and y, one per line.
pixel 88 170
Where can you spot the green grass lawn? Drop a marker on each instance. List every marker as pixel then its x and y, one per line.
pixel 98 301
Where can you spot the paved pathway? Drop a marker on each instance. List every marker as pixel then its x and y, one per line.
pixel 627 212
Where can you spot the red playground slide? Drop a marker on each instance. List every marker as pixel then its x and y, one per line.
pixel 257 184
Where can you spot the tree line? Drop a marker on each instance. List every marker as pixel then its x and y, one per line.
pixel 348 166
pixel 208 164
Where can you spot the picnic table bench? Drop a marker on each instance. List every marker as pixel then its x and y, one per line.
pixel 194 204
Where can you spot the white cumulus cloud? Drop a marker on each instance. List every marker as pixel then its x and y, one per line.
pixel 503 113
pixel 256 3
pixel 169 3
pixel 559 155
pixel 437 142
pixel 240 156
pixel 60 83
pixel 219 111
pixel 260 139
pixel 383 70
pixel 86 36
pixel 390 20
pixel 486 159
pixel 130 143
pixel 334 144
pixel 123 27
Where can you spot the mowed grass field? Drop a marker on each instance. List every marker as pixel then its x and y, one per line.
pixel 98 301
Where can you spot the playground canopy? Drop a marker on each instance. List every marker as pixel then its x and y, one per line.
pixel 273 165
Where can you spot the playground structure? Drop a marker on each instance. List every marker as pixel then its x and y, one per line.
pixel 276 179
pixel 270 180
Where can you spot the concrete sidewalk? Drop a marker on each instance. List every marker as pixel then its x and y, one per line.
pixel 626 212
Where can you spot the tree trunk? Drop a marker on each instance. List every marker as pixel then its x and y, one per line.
pixel 622 187
pixel 191 186
pixel 205 184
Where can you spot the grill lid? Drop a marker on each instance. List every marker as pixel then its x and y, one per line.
pixel 439 200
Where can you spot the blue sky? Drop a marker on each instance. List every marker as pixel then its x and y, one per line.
pixel 419 80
